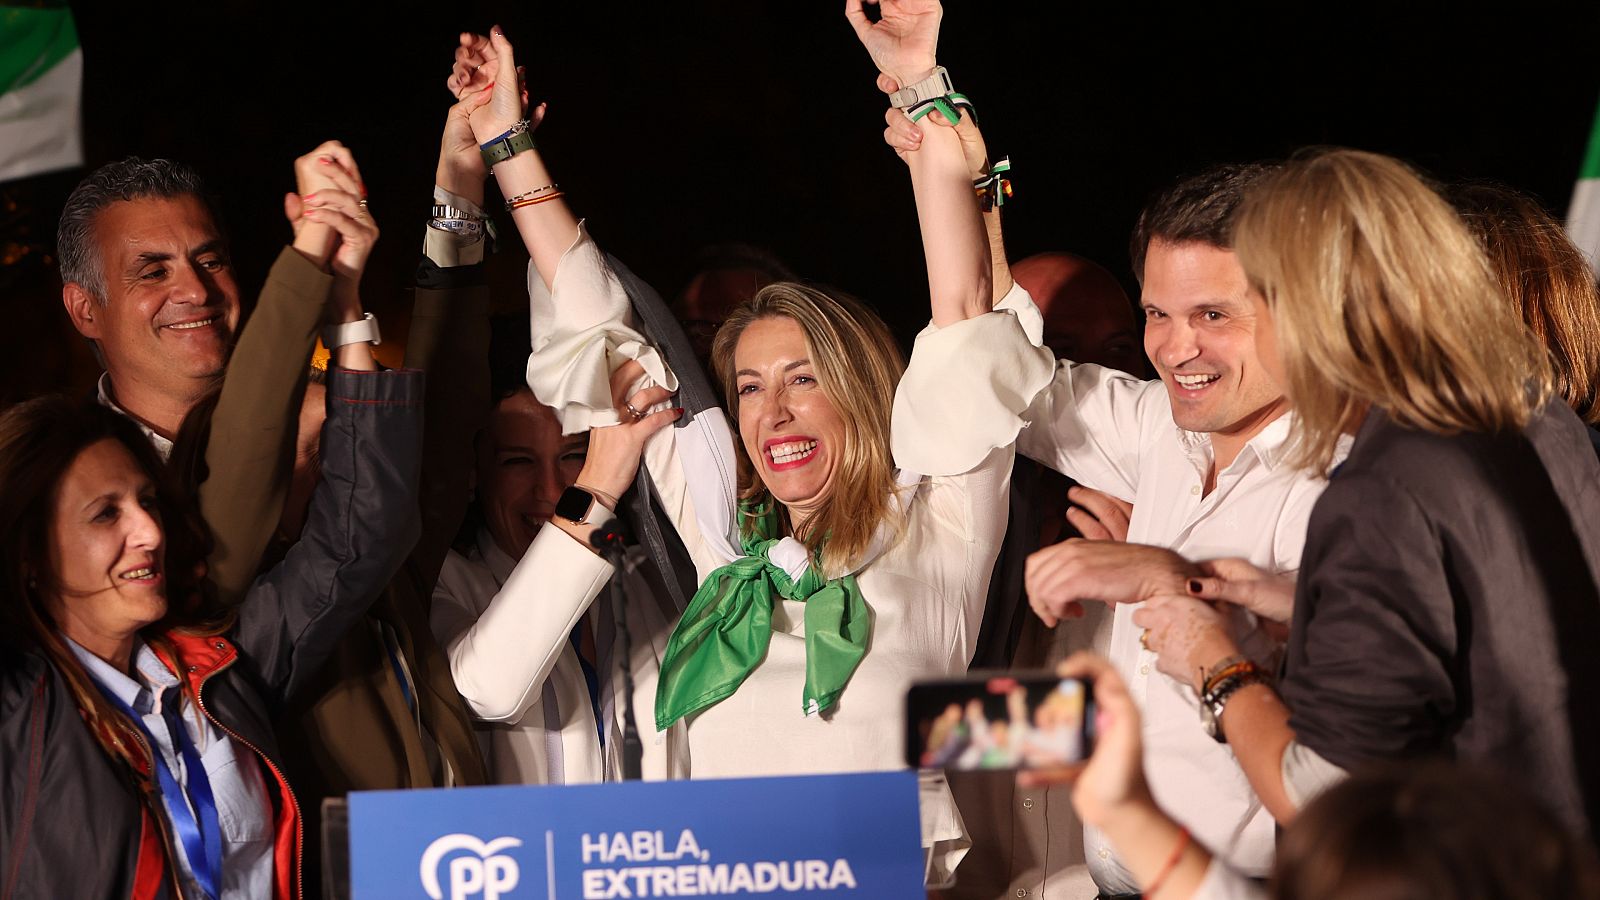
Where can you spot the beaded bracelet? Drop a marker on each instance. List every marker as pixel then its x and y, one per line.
pixel 535 201
pixel 526 195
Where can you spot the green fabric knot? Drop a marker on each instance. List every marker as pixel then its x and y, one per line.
pixel 724 633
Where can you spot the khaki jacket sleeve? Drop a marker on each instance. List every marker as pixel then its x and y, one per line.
pixel 250 454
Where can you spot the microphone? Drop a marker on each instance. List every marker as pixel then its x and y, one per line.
pixel 613 545
pixel 610 538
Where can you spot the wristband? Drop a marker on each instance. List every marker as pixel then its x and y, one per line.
pixel 511 202
pixel 1215 699
pixel 363 329
pixel 994 189
pixel 516 140
pixel 937 84
pixel 1224 668
pixel 947 106
pixel 1184 837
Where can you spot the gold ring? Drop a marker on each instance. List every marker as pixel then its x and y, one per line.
pixel 637 415
pixel 1144 639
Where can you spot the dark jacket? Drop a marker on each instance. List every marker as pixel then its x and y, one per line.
pixel 71 822
pixel 1447 606
pixel 353 729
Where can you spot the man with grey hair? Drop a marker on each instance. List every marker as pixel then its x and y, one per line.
pixel 147 278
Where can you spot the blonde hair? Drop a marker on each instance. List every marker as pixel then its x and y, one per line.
pixel 1380 297
pixel 858 366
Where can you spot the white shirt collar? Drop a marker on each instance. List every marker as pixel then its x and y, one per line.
pixel 103 392
pixel 1269 445
pixel 154 676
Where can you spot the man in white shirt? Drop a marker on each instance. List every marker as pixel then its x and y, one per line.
pixel 1199 453
pixel 147 278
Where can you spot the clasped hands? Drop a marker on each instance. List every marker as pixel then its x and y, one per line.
pixel 1185 626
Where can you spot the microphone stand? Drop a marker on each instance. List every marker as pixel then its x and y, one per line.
pixel 611 546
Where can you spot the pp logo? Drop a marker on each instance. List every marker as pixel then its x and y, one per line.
pixel 487 874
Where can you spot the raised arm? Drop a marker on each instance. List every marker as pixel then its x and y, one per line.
pixel 903 44
pixel 501 658
pixel 449 340
pixel 905 136
pixel 361 525
pixel 547 226
pixel 250 451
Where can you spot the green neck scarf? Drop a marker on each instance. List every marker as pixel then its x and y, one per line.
pixel 724 633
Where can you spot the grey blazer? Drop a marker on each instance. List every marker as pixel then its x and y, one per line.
pixel 1447 606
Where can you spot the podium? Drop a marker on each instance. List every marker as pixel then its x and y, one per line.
pixel 835 836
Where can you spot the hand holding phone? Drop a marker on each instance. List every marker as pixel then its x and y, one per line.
pixel 999 720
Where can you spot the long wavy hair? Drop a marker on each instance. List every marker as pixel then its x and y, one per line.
pixel 1381 297
pixel 39 441
pixel 858 366
pixel 1548 281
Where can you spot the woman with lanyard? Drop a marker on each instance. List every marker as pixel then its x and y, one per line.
pixel 834 570
pixel 137 757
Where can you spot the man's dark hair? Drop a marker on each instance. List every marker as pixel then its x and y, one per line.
pixel 126 179
pixel 1200 209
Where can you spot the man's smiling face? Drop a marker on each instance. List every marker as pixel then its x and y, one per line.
pixel 171 304
pixel 1200 336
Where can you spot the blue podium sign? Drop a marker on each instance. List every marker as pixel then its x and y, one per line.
pixel 837 836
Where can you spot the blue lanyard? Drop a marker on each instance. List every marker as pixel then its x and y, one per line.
pixel 591 680
pixel 202 839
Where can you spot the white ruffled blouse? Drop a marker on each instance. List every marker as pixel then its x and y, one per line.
pixel 957 413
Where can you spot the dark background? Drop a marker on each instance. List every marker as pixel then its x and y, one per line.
pixel 675 125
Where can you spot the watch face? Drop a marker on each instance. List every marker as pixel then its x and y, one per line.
pixel 574 504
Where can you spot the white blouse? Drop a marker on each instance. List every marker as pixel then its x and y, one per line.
pixel 505 626
pixel 956 416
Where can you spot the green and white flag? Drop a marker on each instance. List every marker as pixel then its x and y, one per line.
pixel 41 90
pixel 1583 215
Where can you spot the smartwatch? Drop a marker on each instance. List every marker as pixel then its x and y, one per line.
pixel 363 329
pixel 580 507
pixel 935 85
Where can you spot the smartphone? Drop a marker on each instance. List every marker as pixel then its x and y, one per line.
pixel 999 720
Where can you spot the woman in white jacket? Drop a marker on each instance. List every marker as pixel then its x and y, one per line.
pixel 533 651
pixel 834 568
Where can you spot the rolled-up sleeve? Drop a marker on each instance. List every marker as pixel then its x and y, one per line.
pixel 582 330
pixel 966 387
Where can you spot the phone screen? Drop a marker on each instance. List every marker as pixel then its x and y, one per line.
pixel 999 721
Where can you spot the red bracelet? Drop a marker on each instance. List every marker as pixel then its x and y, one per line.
pixel 1171 863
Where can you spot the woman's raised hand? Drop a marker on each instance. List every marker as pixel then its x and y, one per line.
pixel 903 136
pixel 615 450
pixel 903 43
pixel 488 63
pixel 328 212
